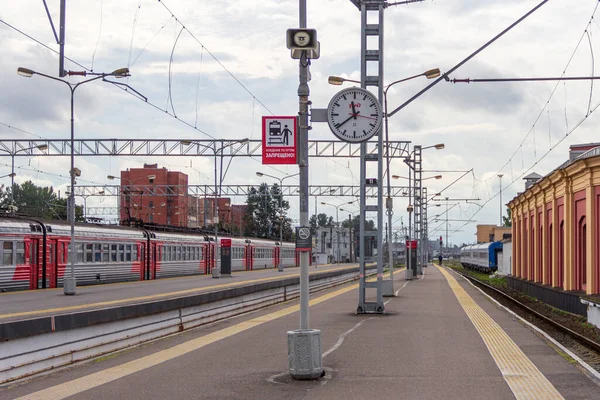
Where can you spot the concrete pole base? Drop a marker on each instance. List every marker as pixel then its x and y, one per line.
pixel 387 288
pixel 70 285
pixel 409 275
pixel 304 354
pixel 280 268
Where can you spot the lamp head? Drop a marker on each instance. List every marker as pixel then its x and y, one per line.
pixel 438 177
pixel 439 146
pixel 323 203
pixel 432 73
pixel 120 73
pixel 42 147
pixel 111 177
pixel 259 174
pixel 335 80
pixel 185 142
pixel 151 176
pixel 409 208
pixel 27 73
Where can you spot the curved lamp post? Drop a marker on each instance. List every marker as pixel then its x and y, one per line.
pixel 337 222
pixel 279 266
pixel 70 283
pixel 429 74
pixel 216 151
pixel 12 174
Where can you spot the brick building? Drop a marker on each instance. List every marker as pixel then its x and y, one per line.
pixel 492 233
pixel 155 195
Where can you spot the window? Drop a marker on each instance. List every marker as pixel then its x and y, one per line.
pixel 151 204
pixel 79 251
pixel 127 252
pixel 105 252
pixel 113 252
pixel 89 252
pixel 121 253
pixel 7 257
pixel 150 217
pixel 20 253
pixel 97 252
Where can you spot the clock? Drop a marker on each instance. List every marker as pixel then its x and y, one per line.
pixel 354 115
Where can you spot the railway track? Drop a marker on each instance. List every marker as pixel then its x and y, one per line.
pixel 585 348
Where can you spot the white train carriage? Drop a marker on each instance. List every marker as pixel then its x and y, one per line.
pixel 177 254
pixel 482 257
pixel 102 254
pixel 17 239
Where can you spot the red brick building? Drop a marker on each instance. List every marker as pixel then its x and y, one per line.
pixel 154 195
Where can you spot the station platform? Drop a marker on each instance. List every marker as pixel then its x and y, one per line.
pixel 37 310
pixel 439 338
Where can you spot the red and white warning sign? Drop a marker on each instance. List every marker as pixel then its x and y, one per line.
pixel 279 140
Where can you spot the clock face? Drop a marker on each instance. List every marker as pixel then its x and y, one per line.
pixel 354 115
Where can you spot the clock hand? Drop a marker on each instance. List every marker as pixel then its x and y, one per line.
pixel 353 109
pixel 364 116
pixel 346 120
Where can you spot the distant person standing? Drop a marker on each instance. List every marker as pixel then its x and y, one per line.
pixel 440 258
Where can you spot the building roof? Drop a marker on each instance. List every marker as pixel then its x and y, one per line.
pixel 533 175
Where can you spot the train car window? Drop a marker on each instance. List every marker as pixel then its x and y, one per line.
pixel 7 255
pixel 89 252
pixel 113 252
pixel 121 252
pixel 128 252
pixel 51 253
pixel 134 252
pixel 79 247
pixel 20 253
pixel 97 252
pixel 177 255
pixel 105 252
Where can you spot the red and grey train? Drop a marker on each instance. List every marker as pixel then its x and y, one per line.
pixel 35 254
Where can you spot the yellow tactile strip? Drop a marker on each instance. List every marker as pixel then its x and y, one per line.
pixel 91 381
pixel 522 376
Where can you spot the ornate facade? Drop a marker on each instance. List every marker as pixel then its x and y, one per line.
pixel 555 227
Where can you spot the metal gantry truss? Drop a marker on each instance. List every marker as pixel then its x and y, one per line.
pixel 228 190
pixel 175 147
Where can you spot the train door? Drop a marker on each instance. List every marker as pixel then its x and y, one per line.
pixel 154 260
pixel 142 261
pixel 34 263
pixel 276 256
pixel 52 262
pixel 213 257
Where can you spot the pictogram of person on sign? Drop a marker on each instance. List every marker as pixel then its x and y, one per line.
pixel 286 131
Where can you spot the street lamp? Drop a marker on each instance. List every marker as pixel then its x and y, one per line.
pixel 337 222
pixel 279 265
pixel 429 74
pixel 41 147
pixel 216 151
pixel 350 227
pixel 409 161
pixel 85 196
pixel 500 175
pixel 70 283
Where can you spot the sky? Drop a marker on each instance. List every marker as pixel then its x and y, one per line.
pixel 219 66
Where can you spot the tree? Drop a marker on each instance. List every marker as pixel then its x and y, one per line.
pixel 38 202
pixel 264 216
pixel 507 220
